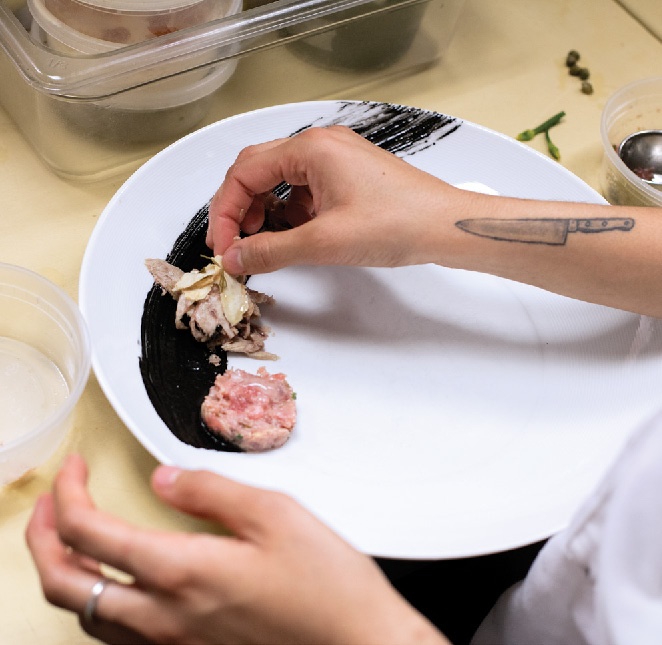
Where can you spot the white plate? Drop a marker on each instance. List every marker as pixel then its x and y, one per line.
pixel 442 413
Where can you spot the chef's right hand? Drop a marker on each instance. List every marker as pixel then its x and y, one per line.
pixel 352 203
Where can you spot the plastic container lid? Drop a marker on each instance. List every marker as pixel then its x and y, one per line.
pixel 126 22
pixel 230 37
pixel 67 40
pixel 139 6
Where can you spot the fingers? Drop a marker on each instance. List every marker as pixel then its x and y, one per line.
pixel 53 560
pixel 67 579
pixel 114 633
pixel 104 537
pixel 41 533
pixel 299 207
pixel 233 201
pixel 145 553
pixel 349 204
pixel 257 170
pixel 66 535
pixel 202 587
pixel 242 509
pixel 319 242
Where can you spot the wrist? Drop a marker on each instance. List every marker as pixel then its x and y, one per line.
pixel 391 620
pixel 440 240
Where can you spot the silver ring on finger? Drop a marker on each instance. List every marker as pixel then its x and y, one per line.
pixel 90 609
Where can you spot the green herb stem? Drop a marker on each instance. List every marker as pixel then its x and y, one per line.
pixel 527 135
pixel 550 123
pixel 553 150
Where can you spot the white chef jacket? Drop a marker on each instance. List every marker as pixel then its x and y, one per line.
pixel 598 582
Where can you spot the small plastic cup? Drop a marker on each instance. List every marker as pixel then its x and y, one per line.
pixel 162 95
pixel 44 366
pixel 133 21
pixel 634 107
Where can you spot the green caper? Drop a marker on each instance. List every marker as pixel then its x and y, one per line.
pixel 575 70
pixel 587 88
pixel 584 73
pixel 572 58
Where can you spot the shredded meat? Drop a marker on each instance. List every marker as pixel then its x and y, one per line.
pixel 205 318
pixel 166 275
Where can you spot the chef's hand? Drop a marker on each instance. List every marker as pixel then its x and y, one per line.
pixel 352 203
pixel 282 577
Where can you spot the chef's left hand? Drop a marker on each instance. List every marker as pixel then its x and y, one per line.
pixel 282 577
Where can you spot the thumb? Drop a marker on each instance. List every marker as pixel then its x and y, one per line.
pixel 316 242
pixel 265 252
pixel 241 509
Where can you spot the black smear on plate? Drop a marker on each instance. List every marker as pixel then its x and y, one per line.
pixel 175 368
pixel 399 129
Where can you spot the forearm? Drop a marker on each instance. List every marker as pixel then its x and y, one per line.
pixel 620 268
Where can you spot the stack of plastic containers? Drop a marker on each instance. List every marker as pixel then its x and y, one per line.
pixel 91 27
pixel 97 86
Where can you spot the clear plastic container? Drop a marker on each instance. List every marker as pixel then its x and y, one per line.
pixel 132 21
pixel 44 366
pixel 171 93
pixel 67 33
pixel 91 115
pixel 634 107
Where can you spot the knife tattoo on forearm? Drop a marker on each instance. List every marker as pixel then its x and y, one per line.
pixel 541 231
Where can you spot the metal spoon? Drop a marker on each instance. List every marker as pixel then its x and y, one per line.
pixel 641 152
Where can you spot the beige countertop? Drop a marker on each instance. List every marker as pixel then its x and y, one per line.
pixel 504 70
pixel 648 13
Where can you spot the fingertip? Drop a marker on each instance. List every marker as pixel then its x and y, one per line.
pixel 199 493
pixel 252 219
pixel 74 465
pixel 42 518
pixel 164 477
pixel 74 460
pixel 42 505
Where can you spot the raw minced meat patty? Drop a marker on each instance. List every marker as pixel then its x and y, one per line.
pixel 253 411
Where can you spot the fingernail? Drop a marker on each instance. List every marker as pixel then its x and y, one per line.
pixel 232 260
pixel 165 476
